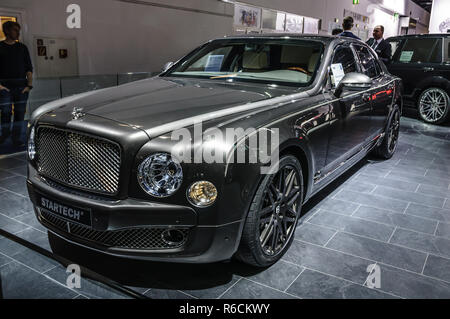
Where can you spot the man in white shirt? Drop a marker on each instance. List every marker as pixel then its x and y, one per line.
pixel 380 46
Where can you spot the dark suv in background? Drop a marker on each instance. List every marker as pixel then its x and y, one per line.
pixel 423 63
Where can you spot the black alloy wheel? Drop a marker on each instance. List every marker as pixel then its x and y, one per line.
pixel 273 216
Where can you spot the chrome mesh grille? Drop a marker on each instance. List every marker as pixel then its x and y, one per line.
pixel 78 160
pixel 131 238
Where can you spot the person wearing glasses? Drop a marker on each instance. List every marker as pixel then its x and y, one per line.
pixel 380 46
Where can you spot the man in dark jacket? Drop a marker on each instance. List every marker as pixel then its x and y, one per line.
pixel 16 81
pixel 347 24
pixel 381 46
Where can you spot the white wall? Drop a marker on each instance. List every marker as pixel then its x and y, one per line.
pixel 125 37
pixel 130 37
pixel 379 11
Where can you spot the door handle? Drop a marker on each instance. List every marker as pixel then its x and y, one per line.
pixel 428 69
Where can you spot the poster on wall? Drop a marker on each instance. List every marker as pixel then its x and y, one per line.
pixel 440 17
pixel 247 16
pixel 311 26
pixel 294 23
pixel 273 20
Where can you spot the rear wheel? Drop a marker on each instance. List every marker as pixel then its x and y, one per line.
pixel 387 148
pixel 434 105
pixel 271 222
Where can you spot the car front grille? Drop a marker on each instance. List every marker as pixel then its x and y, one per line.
pixel 131 238
pixel 78 160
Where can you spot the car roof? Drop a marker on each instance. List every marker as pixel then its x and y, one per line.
pixel 323 38
pixel 424 35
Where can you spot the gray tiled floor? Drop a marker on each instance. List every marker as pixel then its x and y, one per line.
pixel 395 214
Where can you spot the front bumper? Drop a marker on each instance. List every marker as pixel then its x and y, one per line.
pixel 110 217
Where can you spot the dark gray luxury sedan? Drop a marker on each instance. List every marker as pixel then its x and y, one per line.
pixel 214 157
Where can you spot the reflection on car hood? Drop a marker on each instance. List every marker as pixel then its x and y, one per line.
pixel 152 104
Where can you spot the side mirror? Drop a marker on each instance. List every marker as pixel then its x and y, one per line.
pixel 167 66
pixel 353 82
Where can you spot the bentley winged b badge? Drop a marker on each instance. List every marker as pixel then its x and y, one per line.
pixel 77 113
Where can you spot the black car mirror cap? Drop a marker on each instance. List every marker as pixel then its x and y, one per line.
pixel 353 82
pixel 167 66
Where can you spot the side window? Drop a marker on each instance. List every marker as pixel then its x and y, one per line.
pixel 370 65
pixel 436 55
pixel 343 62
pixel 417 50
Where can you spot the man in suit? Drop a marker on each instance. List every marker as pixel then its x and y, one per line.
pixel 381 47
pixel 347 25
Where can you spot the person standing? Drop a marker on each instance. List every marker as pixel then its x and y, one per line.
pixel 336 31
pixel 16 81
pixel 347 25
pixel 379 45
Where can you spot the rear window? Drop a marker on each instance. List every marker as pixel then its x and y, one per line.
pixel 417 50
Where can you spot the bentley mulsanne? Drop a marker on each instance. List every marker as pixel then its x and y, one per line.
pixel 147 170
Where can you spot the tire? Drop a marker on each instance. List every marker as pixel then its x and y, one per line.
pixel 387 148
pixel 434 105
pixel 270 213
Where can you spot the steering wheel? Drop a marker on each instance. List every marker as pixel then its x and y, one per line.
pixel 299 69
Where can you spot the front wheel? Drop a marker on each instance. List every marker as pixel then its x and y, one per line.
pixel 272 219
pixel 434 106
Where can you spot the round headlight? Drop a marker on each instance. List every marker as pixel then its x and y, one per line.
pixel 160 175
pixel 31 145
pixel 202 194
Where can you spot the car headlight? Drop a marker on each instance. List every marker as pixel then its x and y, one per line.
pixel 31 145
pixel 160 175
pixel 202 194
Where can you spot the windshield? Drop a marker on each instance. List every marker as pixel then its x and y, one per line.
pixel 284 62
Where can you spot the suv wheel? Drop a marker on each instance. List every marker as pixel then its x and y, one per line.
pixel 434 105
pixel 271 222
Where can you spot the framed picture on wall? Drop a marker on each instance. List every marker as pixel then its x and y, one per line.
pixel 247 16
pixel 294 23
pixel 311 26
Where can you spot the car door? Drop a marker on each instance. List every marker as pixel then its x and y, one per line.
pixel 416 60
pixel 382 90
pixel 350 113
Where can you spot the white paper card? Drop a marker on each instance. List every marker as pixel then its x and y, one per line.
pixel 406 56
pixel 214 63
pixel 338 73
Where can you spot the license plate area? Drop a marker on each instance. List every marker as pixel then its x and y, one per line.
pixel 70 213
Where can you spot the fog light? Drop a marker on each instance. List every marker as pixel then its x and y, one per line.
pixel 202 194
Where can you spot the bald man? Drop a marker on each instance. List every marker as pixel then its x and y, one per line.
pixel 381 47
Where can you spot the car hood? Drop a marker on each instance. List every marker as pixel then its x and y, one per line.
pixel 159 105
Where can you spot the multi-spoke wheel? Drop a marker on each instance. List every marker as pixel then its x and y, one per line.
pixel 273 215
pixel 434 105
pixel 387 148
